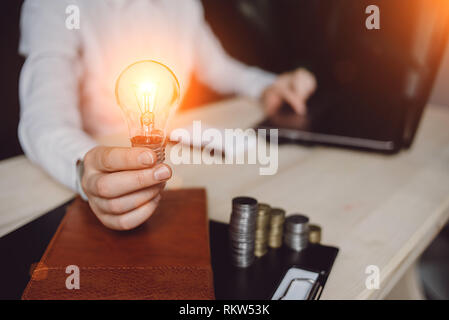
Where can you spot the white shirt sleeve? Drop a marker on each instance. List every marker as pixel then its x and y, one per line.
pixel 221 72
pixel 50 128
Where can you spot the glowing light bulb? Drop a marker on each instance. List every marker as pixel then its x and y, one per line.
pixel 148 93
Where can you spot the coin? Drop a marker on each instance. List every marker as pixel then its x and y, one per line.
pixel 296 235
pixel 314 233
pixel 262 228
pixel 242 227
pixel 277 217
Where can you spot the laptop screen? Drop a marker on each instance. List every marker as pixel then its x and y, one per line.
pixel 372 84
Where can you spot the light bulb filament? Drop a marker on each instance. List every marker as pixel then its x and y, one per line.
pixel 147 92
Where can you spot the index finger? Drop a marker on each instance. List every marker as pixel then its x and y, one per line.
pixel 304 83
pixel 111 159
pixel 297 102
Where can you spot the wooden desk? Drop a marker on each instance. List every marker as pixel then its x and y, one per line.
pixel 379 210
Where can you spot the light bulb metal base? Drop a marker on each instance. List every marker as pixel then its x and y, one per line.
pixel 157 147
pixel 160 152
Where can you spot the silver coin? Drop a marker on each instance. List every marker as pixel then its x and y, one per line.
pixel 297 219
pixel 242 228
pixel 244 201
pixel 297 223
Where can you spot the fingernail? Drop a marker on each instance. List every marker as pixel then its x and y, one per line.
pixel 162 173
pixel 146 158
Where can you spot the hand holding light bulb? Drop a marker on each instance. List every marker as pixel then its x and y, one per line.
pixel 123 185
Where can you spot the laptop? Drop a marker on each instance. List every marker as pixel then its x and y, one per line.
pixel 373 85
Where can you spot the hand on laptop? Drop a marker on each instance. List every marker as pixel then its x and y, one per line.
pixel 293 88
pixel 123 185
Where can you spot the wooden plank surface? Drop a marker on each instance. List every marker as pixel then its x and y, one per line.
pixel 378 209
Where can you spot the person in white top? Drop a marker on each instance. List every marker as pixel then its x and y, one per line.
pixel 67 91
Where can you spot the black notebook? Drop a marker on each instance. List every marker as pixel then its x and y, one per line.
pixel 262 278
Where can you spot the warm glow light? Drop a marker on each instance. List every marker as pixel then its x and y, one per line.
pixel 147 92
pixel 147 87
pixel 146 96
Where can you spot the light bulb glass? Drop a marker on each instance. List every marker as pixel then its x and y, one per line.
pixel 148 93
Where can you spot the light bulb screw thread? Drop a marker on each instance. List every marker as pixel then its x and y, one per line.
pixel 160 153
pixel 157 148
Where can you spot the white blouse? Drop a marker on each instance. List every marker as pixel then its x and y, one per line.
pixel 68 79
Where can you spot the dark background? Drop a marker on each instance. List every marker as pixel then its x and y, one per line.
pixel 10 64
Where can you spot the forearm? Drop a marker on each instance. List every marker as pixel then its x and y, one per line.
pixel 50 128
pixel 226 75
pixel 56 149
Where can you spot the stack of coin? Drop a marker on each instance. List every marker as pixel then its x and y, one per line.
pixel 314 233
pixel 242 231
pixel 262 224
pixel 277 218
pixel 296 234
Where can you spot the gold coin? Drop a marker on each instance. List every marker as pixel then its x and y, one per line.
pixel 314 233
pixel 275 244
pixel 264 209
pixel 277 213
pixel 260 253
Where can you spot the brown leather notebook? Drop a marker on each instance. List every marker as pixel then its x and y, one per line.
pixel 168 257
